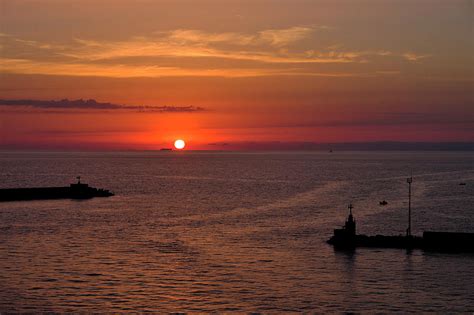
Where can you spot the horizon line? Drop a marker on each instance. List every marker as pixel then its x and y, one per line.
pixel 271 146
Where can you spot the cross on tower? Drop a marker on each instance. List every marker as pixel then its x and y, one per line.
pixel 350 208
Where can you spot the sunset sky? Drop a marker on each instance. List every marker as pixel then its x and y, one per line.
pixel 224 73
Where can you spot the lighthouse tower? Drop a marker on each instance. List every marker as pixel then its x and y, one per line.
pixel 350 226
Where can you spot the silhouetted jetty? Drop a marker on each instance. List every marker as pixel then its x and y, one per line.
pixel 347 238
pixel 73 191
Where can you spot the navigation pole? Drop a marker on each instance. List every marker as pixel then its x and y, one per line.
pixel 409 181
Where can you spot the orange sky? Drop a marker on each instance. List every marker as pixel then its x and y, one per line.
pixel 262 71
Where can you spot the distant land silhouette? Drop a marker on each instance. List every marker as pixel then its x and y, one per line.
pixel 348 146
pixel 256 146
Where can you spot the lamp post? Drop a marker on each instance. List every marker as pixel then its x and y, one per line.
pixel 409 181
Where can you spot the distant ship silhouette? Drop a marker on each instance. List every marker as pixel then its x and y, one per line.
pixel 347 238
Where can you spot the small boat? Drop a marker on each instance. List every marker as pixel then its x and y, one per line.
pixel 383 203
pixel 462 184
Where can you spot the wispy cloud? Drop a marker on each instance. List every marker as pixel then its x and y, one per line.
pixel 91 104
pixel 273 37
pixel 25 66
pixel 410 56
pixel 271 52
pixel 265 46
pixel 285 37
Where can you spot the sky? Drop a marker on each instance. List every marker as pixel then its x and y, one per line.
pixel 233 74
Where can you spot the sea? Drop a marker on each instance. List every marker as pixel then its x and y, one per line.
pixel 233 232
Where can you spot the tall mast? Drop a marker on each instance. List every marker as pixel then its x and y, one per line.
pixel 409 181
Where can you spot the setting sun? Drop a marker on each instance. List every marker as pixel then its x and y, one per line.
pixel 179 144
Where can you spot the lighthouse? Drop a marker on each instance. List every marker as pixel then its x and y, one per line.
pixel 346 237
pixel 350 226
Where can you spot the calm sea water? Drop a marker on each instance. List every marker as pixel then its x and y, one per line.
pixel 195 231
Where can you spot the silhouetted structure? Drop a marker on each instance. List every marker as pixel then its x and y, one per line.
pixel 346 238
pixel 347 235
pixel 409 181
pixel 73 191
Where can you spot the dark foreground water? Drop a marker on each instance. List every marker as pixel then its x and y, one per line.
pixel 233 232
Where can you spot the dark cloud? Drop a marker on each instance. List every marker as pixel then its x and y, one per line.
pixel 387 119
pixel 67 133
pixel 400 119
pixel 81 104
pixel 351 146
